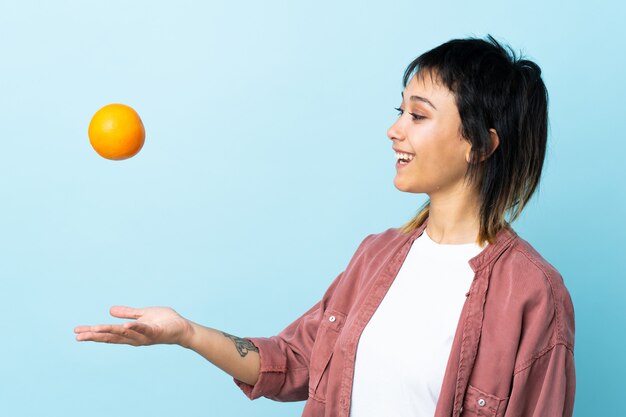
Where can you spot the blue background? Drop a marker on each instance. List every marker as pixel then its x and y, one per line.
pixel 266 163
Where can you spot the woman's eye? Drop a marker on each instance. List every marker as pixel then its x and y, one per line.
pixel 413 115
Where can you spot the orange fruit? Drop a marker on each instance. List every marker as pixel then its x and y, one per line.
pixel 116 132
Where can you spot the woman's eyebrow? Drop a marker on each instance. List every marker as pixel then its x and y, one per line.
pixel 419 98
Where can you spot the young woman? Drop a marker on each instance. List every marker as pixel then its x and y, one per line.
pixel 452 314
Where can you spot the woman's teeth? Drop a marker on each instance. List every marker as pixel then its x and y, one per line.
pixel 404 158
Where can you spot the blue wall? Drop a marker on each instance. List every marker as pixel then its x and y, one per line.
pixel 265 164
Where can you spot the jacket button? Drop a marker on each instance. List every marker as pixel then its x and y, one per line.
pixel 332 319
pixel 482 402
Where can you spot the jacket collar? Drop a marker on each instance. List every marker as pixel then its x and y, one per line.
pixel 503 240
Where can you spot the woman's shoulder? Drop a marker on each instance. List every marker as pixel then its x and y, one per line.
pixel 382 244
pixel 375 250
pixel 538 284
pixel 387 236
pixel 529 261
pixel 379 243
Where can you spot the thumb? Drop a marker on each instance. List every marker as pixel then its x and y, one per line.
pixel 123 312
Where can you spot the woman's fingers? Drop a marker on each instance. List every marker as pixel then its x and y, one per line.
pixel 149 326
pixel 106 338
pixel 94 329
pixel 110 334
pixel 116 329
pixel 99 328
pixel 116 311
pixel 124 312
pixel 81 329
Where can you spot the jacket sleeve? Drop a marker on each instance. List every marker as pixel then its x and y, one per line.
pixel 285 358
pixel 545 387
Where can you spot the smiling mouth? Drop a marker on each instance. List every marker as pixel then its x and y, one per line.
pixel 404 158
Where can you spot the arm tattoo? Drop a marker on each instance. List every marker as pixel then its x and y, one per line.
pixel 243 345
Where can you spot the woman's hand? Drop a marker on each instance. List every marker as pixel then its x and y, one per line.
pixel 152 325
pixel 162 325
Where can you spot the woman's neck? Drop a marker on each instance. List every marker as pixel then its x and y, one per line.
pixel 454 218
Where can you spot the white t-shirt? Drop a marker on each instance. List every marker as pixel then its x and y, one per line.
pixel 403 351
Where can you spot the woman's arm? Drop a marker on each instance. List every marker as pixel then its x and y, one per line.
pixel 235 356
pixel 276 367
pixel 161 325
pixel 546 387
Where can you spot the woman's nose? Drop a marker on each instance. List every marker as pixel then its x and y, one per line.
pixel 395 132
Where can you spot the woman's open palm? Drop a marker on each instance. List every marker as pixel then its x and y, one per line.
pixel 152 325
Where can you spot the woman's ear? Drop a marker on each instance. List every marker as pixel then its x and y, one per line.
pixel 495 142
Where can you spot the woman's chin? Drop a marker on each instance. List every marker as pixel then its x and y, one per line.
pixel 401 186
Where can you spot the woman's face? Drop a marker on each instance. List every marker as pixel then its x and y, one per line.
pixel 429 129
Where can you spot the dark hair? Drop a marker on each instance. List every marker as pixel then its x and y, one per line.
pixel 493 89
